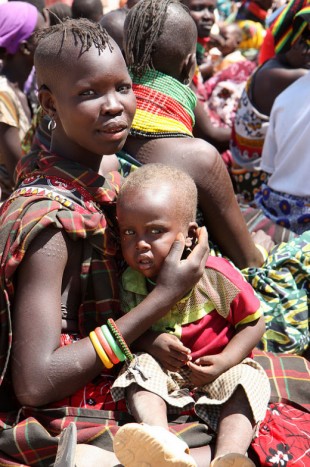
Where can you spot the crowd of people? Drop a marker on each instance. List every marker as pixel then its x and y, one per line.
pixel 154 240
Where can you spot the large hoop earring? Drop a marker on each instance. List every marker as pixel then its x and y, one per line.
pixel 51 124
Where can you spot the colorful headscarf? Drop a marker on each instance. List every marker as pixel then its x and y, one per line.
pixel 17 22
pixel 290 24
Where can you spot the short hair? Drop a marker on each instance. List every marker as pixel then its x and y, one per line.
pixel 56 43
pixel 154 175
pixel 58 12
pixel 114 22
pixel 90 9
pixel 154 36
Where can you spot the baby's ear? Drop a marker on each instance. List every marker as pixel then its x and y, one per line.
pixel 191 235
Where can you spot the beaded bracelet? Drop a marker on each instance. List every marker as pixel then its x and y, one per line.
pixel 112 343
pixel 99 350
pixel 105 345
pixel 263 251
pixel 120 340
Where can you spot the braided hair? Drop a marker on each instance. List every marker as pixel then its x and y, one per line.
pixel 143 26
pixel 85 32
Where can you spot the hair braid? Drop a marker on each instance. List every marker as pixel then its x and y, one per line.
pixel 143 26
pixel 84 31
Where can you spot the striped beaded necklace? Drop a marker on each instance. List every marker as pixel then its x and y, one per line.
pixel 165 107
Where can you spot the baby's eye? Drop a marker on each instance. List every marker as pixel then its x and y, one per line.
pixel 156 231
pixel 128 232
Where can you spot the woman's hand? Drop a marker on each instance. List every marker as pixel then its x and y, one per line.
pixel 180 275
pixel 263 239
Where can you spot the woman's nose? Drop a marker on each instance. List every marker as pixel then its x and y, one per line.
pixel 111 104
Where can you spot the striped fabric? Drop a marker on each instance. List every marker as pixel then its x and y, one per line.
pixel 165 107
pixel 290 24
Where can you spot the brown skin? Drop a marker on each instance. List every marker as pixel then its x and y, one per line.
pixel 216 200
pixel 16 68
pixel 286 69
pixel 42 371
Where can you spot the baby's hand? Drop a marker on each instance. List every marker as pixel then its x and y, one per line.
pixel 206 369
pixel 170 352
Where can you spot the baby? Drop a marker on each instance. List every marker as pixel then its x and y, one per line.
pixel 196 357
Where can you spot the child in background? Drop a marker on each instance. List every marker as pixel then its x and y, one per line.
pixel 208 335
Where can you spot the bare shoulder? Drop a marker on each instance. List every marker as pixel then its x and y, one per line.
pixel 52 243
pixel 186 153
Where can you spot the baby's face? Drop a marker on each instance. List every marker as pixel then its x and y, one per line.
pixel 148 227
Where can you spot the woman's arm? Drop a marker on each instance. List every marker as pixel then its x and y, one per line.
pixel 44 372
pixel 10 147
pixel 204 129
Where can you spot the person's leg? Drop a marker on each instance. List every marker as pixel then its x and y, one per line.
pixel 235 432
pixel 146 407
pixel 202 455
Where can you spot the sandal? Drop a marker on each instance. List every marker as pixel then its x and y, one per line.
pixel 232 460
pixel 150 446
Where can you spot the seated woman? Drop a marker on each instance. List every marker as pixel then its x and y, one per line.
pixel 18 20
pixel 285 197
pixel 292 60
pixel 161 132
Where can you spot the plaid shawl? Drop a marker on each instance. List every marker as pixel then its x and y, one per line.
pixel 62 194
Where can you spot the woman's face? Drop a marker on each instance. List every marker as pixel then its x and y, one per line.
pixel 299 55
pixel 94 103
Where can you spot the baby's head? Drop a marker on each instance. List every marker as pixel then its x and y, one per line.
pixel 156 202
pixel 85 88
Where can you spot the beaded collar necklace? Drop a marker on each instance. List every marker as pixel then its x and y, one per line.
pixel 165 107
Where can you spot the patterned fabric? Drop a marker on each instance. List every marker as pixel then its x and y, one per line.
pixel 247 183
pixel 64 195
pixel 256 220
pixel 248 132
pixel 206 319
pixel 12 114
pixel 290 24
pixel 180 394
pixel 289 377
pixel 283 439
pixel 165 107
pixel 292 212
pixel 224 90
pixel 283 285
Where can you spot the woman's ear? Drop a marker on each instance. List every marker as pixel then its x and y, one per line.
pixel 23 47
pixel 188 69
pixel 191 235
pixel 46 100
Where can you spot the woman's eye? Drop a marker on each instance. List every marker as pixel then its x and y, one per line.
pixel 88 92
pixel 124 88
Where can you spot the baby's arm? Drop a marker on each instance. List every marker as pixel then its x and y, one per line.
pixel 166 348
pixel 206 369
